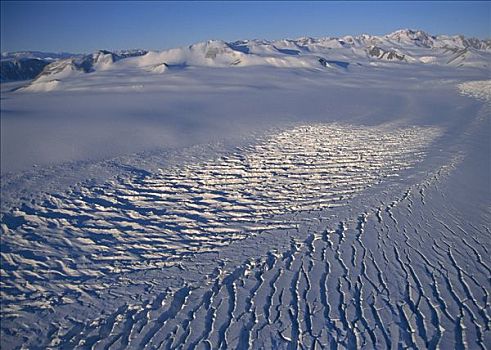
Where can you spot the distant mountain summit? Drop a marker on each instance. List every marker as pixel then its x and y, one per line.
pixel 422 39
pixel 405 46
pixel 49 56
pixel 412 37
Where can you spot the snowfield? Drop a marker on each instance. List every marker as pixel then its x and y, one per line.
pixel 478 89
pixel 279 202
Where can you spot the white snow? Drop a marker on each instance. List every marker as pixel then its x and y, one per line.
pixel 428 59
pixel 479 89
pixel 249 195
pixel 43 86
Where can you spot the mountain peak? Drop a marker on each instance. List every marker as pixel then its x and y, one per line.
pixel 410 36
pixel 408 32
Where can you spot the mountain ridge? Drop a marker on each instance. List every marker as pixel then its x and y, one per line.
pixel 414 34
pixel 406 46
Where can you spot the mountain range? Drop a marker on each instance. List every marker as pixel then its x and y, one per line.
pixel 403 47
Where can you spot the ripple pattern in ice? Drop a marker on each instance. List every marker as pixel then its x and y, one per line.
pixel 149 220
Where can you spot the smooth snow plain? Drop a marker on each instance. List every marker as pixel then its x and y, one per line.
pixel 254 207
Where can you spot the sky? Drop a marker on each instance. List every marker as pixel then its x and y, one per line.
pixel 81 27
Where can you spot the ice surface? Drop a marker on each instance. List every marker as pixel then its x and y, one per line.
pixel 147 221
pixel 247 207
pixel 479 89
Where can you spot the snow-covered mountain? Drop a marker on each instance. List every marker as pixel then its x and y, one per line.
pixel 48 56
pixel 25 65
pixel 21 69
pixel 50 76
pixel 403 47
pixel 419 38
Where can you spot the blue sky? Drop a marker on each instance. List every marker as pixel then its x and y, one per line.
pixel 88 26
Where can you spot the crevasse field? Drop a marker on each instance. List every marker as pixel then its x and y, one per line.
pixel 310 193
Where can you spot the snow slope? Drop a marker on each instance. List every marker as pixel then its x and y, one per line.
pixel 190 205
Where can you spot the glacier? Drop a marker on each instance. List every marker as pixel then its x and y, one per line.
pixel 306 193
